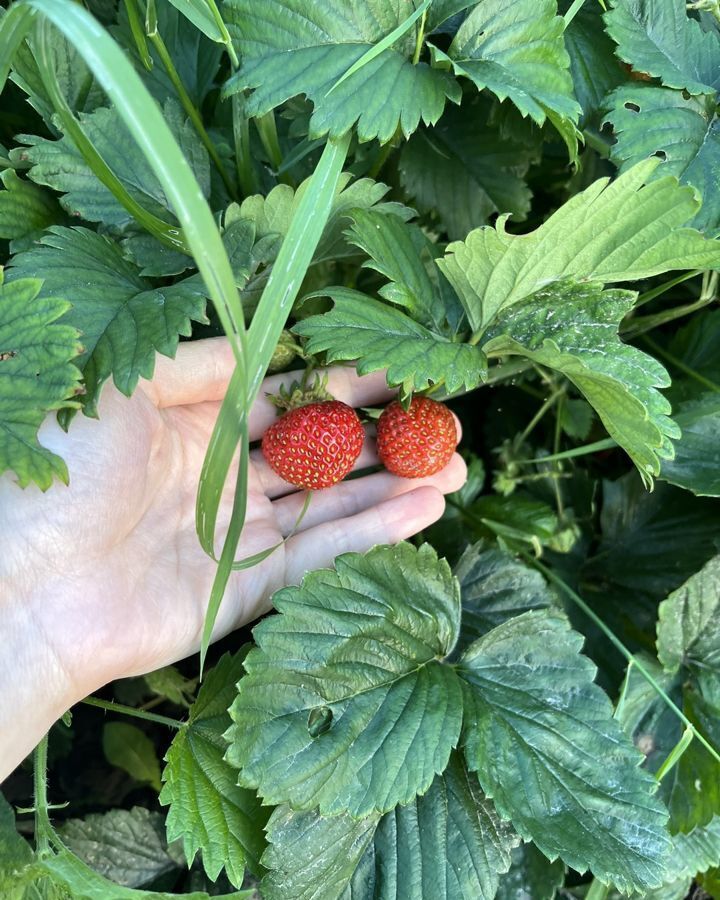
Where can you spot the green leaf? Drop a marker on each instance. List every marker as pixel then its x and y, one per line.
pixel 576 419
pixel 380 337
pixel 36 377
pixel 447 844
pixel 82 883
pixel 61 166
pixel 126 846
pixel 15 854
pixel 130 749
pixel 495 587
pixel 207 809
pixel 689 622
pixel 696 466
pixel 531 875
pixel 348 646
pixel 403 254
pixel 610 232
pixel 123 320
pixel 515 49
pixel 75 80
pixel 535 727
pixel 169 683
pixel 697 345
pixel 573 328
pixel 699 850
pixel 517 520
pixel 464 169
pixel 658 38
pixel 594 67
pixel 198 12
pixel 691 789
pixel 24 207
pixel 292 48
pixel 683 131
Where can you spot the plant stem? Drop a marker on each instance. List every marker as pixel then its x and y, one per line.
pixel 538 415
pixel 604 444
pixel 421 37
pixel 598 890
pixel 621 648
pixel 665 286
pixel 241 134
pixel 679 364
pixel 110 706
pixel 138 33
pixel 43 828
pixel 191 110
pixel 639 326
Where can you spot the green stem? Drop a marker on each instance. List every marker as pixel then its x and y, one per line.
pixel 557 467
pixel 43 828
pixel 267 129
pixel 243 157
pixel 138 33
pixel 222 27
pixel 598 890
pixel 679 364
pixel 538 415
pixel 420 38
pixel 585 450
pixel 666 286
pixel 621 648
pixel 639 326
pixel 191 110
pixel 110 706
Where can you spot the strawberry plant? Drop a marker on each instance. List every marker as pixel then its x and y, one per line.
pixel 507 212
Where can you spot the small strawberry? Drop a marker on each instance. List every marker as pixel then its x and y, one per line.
pixel 315 445
pixel 417 442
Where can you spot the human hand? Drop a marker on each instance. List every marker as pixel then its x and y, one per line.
pixel 105 578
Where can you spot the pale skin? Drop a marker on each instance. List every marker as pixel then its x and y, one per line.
pixel 105 578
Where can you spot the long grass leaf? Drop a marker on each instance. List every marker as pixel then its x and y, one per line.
pixel 288 271
pixel 15 25
pixel 384 44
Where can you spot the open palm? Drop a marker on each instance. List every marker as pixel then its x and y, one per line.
pixel 109 571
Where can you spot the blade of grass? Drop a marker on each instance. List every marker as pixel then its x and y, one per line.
pixel 138 32
pixel 15 26
pixel 200 14
pixel 384 44
pixel 288 271
pixel 573 11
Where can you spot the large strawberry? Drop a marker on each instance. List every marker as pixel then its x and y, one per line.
pixel 418 441
pixel 315 445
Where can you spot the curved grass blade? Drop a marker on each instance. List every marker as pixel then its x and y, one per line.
pixel 384 44
pixel 274 307
pixel 15 26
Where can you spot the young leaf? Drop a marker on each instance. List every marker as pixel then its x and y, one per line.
pixel 657 37
pixel 696 466
pixel 380 337
pixel 494 587
pixel 689 622
pixel 573 328
pixel 125 846
pixel 535 727
pixel 515 49
pixel 531 875
pixel 36 377
pixel 463 170
pixel 358 710
pixel 24 207
pixel 130 749
pixel 446 844
pixel 617 231
pixel 293 48
pixel 15 852
pixel 122 318
pixel 207 809
pixel 683 131
pixel 61 166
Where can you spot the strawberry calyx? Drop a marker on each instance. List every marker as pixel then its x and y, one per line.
pixel 299 393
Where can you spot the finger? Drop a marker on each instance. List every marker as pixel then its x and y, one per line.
pixel 273 486
pixel 343 383
pixel 351 497
pixel 200 371
pixel 388 522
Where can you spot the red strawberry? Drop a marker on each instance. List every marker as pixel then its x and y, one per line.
pixel 417 442
pixel 316 445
